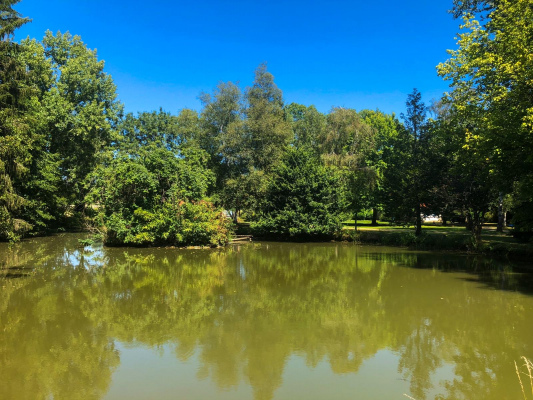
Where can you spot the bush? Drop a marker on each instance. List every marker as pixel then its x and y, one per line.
pixel 181 223
pixel 156 198
pixel 302 200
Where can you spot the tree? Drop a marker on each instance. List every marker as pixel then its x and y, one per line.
pixel 15 136
pixel 412 160
pixel 308 126
pixel 302 200
pixel 159 129
pixel 244 141
pixel 385 128
pixel 491 77
pixel 244 192
pixel 346 144
pixel 415 124
pixel 79 107
pixel 150 192
pixel 266 125
pixel 443 147
pixel 10 20
pixel 398 178
pixel 461 174
pixel 464 7
pixel 222 135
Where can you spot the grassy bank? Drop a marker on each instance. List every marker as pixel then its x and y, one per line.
pixel 433 237
pixel 436 237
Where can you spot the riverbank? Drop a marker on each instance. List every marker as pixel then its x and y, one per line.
pixel 449 238
pixel 433 237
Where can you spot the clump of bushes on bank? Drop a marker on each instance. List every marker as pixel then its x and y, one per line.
pixel 302 200
pixel 175 222
pixel 150 196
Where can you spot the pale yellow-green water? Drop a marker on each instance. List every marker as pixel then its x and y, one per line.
pixel 258 321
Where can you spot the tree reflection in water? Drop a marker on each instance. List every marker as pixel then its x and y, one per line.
pixel 248 309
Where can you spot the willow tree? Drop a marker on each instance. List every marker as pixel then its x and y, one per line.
pixel 385 129
pixel 346 143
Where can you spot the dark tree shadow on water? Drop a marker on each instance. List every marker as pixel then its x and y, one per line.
pixel 490 273
pixel 15 272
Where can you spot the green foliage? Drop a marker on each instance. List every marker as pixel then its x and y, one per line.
pixel 245 137
pixel 244 192
pixel 152 190
pixel 522 205
pixel 345 145
pixel 465 7
pixel 16 139
pixel 160 129
pixel 266 125
pixel 385 129
pixel 175 222
pixel 302 200
pixel 410 178
pixel 67 151
pixel 491 77
pixel 58 114
pixel 10 20
pixel 222 134
pixel 308 126
pixel 79 107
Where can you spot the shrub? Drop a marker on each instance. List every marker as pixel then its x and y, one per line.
pixel 302 200
pixel 156 199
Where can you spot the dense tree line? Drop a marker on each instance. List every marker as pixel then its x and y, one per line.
pixel 69 157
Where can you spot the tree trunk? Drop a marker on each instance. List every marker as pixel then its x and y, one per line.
pixel 501 214
pixel 468 221
pixel 477 223
pixel 504 218
pixel 418 231
pixel 374 216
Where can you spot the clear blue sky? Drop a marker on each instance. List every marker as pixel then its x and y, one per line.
pixel 350 53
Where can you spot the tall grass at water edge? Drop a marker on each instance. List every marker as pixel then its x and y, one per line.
pixel 524 374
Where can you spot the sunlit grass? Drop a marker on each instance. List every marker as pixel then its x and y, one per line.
pixel 435 236
pixel 488 231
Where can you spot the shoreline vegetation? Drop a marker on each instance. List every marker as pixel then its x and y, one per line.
pixel 70 157
pixel 442 238
pixel 434 237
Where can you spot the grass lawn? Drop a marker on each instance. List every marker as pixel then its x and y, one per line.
pixel 436 236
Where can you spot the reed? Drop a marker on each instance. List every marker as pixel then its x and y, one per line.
pixel 527 372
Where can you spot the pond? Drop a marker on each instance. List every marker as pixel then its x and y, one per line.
pixel 258 321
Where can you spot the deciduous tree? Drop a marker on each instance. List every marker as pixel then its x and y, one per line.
pixel 266 124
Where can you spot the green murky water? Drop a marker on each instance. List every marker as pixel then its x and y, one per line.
pixel 258 321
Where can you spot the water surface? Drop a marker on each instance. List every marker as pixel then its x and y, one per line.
pixel 258 321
